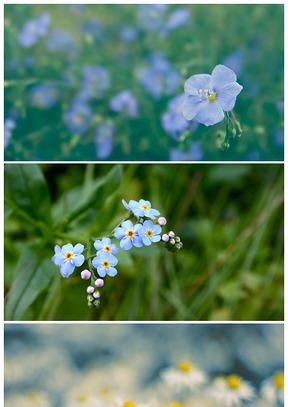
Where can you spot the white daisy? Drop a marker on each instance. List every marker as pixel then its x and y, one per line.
pixel 185 375
pixel 121 402
pixel 272 389
pixel 230 391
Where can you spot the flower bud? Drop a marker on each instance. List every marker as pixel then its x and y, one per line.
pixel 90 289
pixel 90 298
pixel 99 282
pixel 172 241
pixel 171 234
pixel 85 274
pixel 96 303
pixel 96 294
pixel 165 237
pixel 162 221
pixel 90 305
pixel 177 239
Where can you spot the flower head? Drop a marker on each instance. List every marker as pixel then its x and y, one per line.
pixel 185 375
pixel 78 117
pixel 272 389
pixel 173 121
pixel 141 208
pixel 230 391
pixel 104 139
pixel 33 30
pixel 105 264
pixel 68 258
pixel 105 245
pixel 124 102
pixel 44 96
pixel 128 233
pixel 150 233
pixel 209 96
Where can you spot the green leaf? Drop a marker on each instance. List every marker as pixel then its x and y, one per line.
pixel 32 275
pixel 26 188
pixel 7 210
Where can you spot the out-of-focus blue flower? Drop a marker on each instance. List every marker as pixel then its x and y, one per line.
pixel 235 61
pixel 44 96
pixel 78 117
pixel 9 125
pixel 280 106
pixel 60 41
pixel 128 34
pixel 150 233
pixel 105 244
pixel 68 258
pixel 159 78
pixel 178 17
pixel 209 96
pixel 128 235
pixel 277 137
pixel 96 79
pixel 92 28
pixel 33 30
pixel 124 102
pixel 173 121
pixel 76 8
pixel 193 154
pixel 105 264
pixel 104 140
pixel 141 208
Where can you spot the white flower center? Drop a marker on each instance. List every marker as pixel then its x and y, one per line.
pixel 206 94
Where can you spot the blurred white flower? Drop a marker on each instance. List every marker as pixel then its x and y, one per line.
pixel 272 389
pixel 32 399
pixel 185 375
pixel 230 391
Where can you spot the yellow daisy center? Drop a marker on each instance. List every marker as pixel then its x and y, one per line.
pixel 130 233
pixel 149 233
pixel 128 404
pixel 184 366
pixel 145 207
pixel 83 398
pixel 107 249
pixel 69 256
pixel 105 264
pixel 279 380
pixel 176 404
pixel 233 382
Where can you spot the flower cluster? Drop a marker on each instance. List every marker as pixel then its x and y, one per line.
pixel 142 232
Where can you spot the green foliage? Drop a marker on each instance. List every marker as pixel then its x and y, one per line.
pixel 229 217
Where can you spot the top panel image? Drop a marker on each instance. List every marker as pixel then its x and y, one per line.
pixel 144 82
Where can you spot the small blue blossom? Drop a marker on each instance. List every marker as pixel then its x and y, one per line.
pixel 68 258
pixel 173 121
pixel 235 61
pixel 9 125
pixel 92 28
pixel 195 153
pixel 209 96
pixel 104 140
pixel 78 117
pixel 44 96
pixel 96 80
pixel 33 30
pixel 141 208
pixel 178 17
pixel 150 233
pixel 128 34
pixel 124 102
pixel 105 264
pixel 105 244
pixel 60 41
pixel 128 235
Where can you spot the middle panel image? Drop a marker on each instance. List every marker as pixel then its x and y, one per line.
pixel 136 242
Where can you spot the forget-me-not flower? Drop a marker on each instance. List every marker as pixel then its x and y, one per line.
pixel 128 233
pixel 68 258
pixel 124 102
pixel 150 233
pixel 105 263
pixel 105 245
pixel 141 208
pixel 209 96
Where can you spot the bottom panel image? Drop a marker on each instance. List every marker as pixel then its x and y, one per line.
pixel 125 365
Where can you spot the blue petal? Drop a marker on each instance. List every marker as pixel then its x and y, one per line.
pixel 155 238
pixel 137 241
pixel 127 225
pixel 111 271
pixel 138 212
pixel 133 203
pixel 66 269
pixel 138 227
pixel 226 97
pixel 78 260
pixel 148 224
pixel 126 243
pixel 156 229
pixel 96 262
pixel 142 231
pixel 197 82
pixel 58 258
pixel 210 114
pixel 146 241
pixel 113 260
pixel 126 205
pixel 78 249
pixel 221 76
pixel 57 249
pixel 114 248
pixel 101 271
pixel 147 203
pixel 98 245
pixel 119 233
pixel 67 248
pixel 106 241
pixel 191 107
pixel 155 212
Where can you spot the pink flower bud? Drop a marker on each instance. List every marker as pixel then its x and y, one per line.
pixel 99 282
pixel 172 241
pixel 165 237
pixel 85 274
pixel 171 234
pixel 96 294
pixel 162 221
pixel 90 289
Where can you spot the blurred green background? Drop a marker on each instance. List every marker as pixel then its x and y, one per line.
pixel 229 217
pixel 247 38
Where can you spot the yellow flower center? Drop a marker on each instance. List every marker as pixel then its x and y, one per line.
pixel 206 94
pixel 128 404
pixel 279 380
pixel 68 256
pixel 212 97
pixel 184 366
pixel 149 233
pixel 83 398
pixel 233 382
pixel 130 233
pixel 107 249
pixel 105 264
pixel 176 404
pixel 145 207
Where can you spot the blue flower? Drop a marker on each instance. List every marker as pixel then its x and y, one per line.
pixel 124 102
pixel 128 235
pixel 193 154
pixel 141 208
pixel 78 117
pixel 208 96
pixel 9 125
pixel 60 41
pixel 44 96
pixel 128 34
pixel 104 140
pixel 178 17
pixel 68 258
pixel 33 30
pixel 105 264
pixel 173 121
pixel 96 80
pixel 150 232
pixel 105 244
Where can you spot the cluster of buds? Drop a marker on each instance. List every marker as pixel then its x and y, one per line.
pixel 93 296
pixel 173 242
